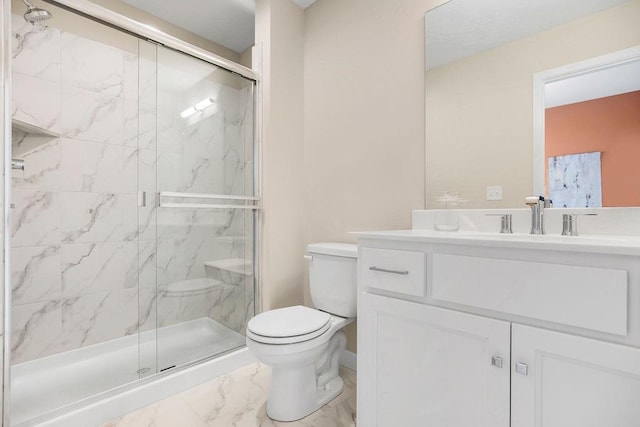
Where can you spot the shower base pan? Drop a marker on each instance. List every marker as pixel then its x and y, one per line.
pixel 48 388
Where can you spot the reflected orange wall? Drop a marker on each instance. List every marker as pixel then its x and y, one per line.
pixel 610 125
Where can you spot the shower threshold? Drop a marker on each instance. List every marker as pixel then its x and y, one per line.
pixel 43 385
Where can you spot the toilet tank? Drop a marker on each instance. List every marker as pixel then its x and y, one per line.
pixel 333 277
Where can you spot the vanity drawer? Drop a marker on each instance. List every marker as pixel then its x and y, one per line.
pixel 394 271
pixel 576 295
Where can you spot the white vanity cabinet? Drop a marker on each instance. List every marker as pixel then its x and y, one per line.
pixel 424 366
pixel 434 351
pixel 571 381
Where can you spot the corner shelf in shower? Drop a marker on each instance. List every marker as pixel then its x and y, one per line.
pixel 233 265
pixel 27 138
pixel 32 129
pixel 192 287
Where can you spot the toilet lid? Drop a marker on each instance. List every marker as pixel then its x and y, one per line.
pixel 288 322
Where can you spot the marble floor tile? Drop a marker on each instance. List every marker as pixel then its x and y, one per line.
pixel 171 412
pixel 238 399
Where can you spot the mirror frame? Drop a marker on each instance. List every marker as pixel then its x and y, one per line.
pixel 567 71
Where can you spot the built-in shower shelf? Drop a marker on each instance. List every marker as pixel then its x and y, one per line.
pixel 32 129
pixel 233 265
pixel 192 287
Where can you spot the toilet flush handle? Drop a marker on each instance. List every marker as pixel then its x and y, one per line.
pixel 308 257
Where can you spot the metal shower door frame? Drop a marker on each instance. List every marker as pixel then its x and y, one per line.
pixel 5 128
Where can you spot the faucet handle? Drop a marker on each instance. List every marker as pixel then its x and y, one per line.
pixel 570 223
pixel 505 222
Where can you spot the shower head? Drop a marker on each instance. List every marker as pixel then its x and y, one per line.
pixel 34 14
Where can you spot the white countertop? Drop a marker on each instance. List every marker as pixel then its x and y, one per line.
pixel 614 244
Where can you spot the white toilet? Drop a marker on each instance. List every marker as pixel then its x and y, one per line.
pixel 303 345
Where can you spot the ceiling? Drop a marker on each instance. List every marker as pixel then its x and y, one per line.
pixel 229 23
pixel 461 28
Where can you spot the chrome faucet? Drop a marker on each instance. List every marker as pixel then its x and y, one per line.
pixel 537 204
pixel 505 222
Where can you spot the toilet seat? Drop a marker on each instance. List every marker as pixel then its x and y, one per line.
pixel 288 325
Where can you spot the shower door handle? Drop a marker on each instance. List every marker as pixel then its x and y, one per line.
pixel 17 164
pixel 142 199
pixel 238 202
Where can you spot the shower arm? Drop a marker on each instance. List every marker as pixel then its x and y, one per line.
pixel 26 3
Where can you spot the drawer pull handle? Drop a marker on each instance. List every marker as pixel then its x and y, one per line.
pixel 384 270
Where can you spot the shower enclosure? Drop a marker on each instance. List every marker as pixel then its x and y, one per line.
pixel 133 210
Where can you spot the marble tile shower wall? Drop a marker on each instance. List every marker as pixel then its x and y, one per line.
pixel 88 264
pixel 74 221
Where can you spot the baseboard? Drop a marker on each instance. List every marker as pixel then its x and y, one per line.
pixel 349 360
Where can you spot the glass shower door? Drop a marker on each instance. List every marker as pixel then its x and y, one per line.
pixel 132 218
pixel 73 237
pixel 205 208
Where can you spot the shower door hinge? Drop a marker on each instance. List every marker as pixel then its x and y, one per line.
pixel 142 199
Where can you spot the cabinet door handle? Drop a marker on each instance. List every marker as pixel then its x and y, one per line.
pixel 496 361
pixel 522 368
pixel 384 270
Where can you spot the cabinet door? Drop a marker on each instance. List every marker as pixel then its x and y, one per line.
pixel 423 366
pixel 573 381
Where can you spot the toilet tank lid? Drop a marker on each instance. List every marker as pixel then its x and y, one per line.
pixel 348 250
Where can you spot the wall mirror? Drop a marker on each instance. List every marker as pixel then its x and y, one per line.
pixel 586 127
pixel 486 61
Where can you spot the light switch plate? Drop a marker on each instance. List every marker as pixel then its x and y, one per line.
pixel 494 192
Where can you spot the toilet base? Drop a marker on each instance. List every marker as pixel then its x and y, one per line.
pixel 330 391
pixel 307 382
pixel 325 395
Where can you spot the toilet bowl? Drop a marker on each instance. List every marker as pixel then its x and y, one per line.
pixel 303 345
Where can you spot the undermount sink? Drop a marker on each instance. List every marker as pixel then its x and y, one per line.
pixel 614 244
pixel 592 239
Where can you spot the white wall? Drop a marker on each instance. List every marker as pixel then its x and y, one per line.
pixel 343 146
pixel 279 35
pixel 364 117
